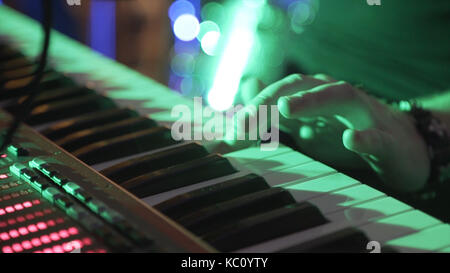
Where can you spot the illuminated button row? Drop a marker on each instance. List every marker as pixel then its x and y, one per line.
pixel 10 185
pixel 76 191
pixel 52 194
pixel 75 211
pixel 43 240
pixel 14 195
pixel 26 217
pixel 32 228
pixel 95 205
pixel 18 207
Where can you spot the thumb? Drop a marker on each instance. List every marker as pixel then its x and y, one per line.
pixel 372 141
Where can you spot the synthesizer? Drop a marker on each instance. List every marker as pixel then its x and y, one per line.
pixel 95 169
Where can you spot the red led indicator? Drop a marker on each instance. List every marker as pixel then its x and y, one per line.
pixel 3 155
pixel 36 242
pixel 23 231
pixel 3 176
pixel 58 249
pixel 27 244
pixel 4 236
pixel 32 228
pixel 17 248
pixel 7 249
pixel 14 233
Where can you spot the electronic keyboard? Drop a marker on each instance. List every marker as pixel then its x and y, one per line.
pixel 96 169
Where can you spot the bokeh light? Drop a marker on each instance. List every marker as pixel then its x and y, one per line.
pixel 209 42
pixel 183 64
pixel 186 85
pixel 212 11
pixel 186 27
pixel 301 14
pixel 179 8
pixel 191 47
pixel 206 27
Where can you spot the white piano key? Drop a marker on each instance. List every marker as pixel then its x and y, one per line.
pixel 347 197
pixel 107 164
pixel 249 155
pixel 298 174
pixel 278 162
pixel 310 171
pixel 306 190
pixel 429 239
pixel 242 158
pixel 161 197
pixel 293 239
pixel 398 225
pixel 444 250
pixel 369 211
pixel 243 170
pixel 354 216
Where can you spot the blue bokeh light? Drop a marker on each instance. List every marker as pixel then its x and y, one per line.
pixel 179 8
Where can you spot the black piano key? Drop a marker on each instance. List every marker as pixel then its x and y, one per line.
pixel 104 132
pixel 51 96
pixel 8 53
pixel 24 73
pixel 348 240
pixel 68 108
pixel 144 164
pixel 49 81
pixel 266 226
pixel 70 126
pixel 15 63
pixel 63 93
pixel 19 72
pixel 184 174
pixel 208 196
pixel 221 214
pixel 126 145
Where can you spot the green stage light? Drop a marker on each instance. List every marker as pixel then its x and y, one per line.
pixel 235 54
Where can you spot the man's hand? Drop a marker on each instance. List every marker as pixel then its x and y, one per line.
pixel 342 126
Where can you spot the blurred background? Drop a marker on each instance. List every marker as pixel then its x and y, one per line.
pixel 185 44
pixel 134 32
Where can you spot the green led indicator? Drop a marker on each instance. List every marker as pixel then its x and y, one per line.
pixel 71 188
pixel 16 169
pixel 51 193
pixel 12 149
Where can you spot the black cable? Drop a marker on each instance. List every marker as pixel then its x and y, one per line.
pixel 27 104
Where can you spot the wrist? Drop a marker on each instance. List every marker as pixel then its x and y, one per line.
pixel 435 134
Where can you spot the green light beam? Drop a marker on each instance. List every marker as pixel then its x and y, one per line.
pixel 236 54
